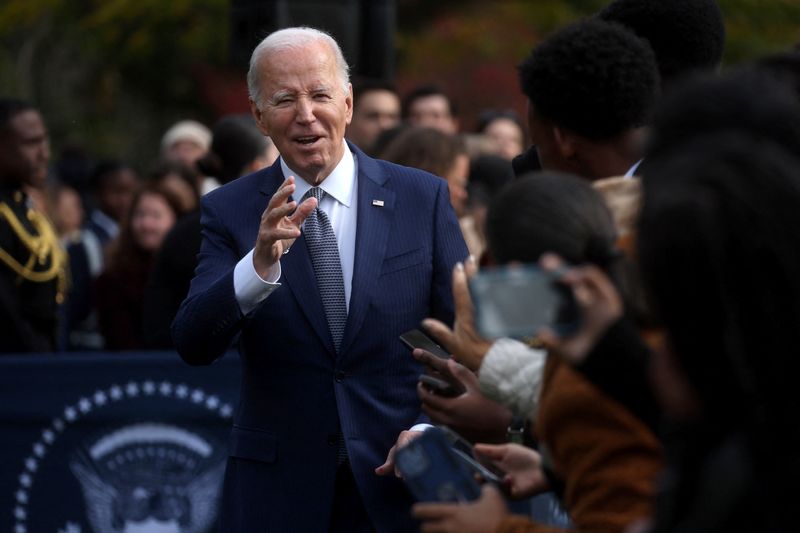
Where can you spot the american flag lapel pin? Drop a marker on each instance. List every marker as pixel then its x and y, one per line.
pixel 378 203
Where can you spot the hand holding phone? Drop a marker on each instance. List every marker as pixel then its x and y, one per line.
pixel 433 472
pixel 518 301
pixel 599 304
pixel 440 386
pixel 417 339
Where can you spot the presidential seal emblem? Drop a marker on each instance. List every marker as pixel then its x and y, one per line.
pixel 145 456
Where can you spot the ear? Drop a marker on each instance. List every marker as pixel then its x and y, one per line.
pixel 258 115
pixel 565 142
pixel 349 103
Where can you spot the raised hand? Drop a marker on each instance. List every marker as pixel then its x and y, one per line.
pixel 280 226
pixel 463 341
pixel 471 414
pixel 600 307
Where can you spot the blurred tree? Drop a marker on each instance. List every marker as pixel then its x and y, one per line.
pixel 112 74
pixel 472 47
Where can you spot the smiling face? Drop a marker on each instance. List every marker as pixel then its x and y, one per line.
pixel 305 108
pixel 152 218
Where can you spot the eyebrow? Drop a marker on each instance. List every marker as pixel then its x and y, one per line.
pixel 280 94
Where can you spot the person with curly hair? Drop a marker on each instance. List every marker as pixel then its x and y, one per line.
pixel 591 86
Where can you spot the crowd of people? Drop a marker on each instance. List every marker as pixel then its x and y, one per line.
pixel 123 290
pixel 660 189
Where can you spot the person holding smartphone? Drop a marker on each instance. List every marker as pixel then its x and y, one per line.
pixel 603 457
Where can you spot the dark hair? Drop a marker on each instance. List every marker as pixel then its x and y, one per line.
pixel 163 168
pixel 103 171
pixel 385 139
pixel 423 91
pixel 426 149
pixel 744 100
pixel 548 212
pixel 362 86
pixel 488 116
pixel 719 253
pixel 686 35
pixel 592 77
pixel 488 174
pixel 10 108
pixel 235 142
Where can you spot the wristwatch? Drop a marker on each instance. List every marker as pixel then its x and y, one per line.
pixel 516 430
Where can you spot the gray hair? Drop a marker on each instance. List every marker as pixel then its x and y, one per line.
pixel 289 38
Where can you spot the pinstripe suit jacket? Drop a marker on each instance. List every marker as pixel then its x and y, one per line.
pixel 297 395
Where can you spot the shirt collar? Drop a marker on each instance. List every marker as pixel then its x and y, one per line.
pixel 338 184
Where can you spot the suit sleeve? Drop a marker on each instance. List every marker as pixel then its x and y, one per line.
pixel 209 319
pixel 448 249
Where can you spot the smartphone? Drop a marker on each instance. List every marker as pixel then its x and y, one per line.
pixel 432 471
pixel 417 339
pixel 517 301
pixel 475 461
pixel 440 386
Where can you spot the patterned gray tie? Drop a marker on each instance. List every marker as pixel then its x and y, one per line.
pixel 321 242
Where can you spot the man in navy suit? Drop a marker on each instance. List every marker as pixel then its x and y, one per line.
pixel 324 392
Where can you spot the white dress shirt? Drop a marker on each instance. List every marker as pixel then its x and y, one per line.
pixel 340 204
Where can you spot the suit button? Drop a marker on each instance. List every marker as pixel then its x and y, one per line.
pixel 333 439
pixel 339 376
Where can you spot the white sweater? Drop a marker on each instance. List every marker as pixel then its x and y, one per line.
pixel 511 374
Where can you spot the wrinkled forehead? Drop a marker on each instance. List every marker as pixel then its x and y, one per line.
pixel 309 64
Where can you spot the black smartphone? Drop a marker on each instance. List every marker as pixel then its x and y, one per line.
pixel 417 339
pixel 432 471
pixel 517 301
pixel 475 461
pixel 440 386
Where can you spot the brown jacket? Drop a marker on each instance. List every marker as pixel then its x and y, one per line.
pixel 606 458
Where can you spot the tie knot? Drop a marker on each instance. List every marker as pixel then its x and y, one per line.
pixel 316 192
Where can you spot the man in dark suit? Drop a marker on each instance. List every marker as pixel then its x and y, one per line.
pixel 349 253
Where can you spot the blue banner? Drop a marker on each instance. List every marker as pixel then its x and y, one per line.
pixel 128 442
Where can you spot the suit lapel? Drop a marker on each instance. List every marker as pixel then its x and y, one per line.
pixel 372 232
pixel 297 272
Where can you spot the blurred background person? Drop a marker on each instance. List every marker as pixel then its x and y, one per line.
pixel 505 132
pixel 185 142
pixel 376 108
pixel 237 148
pixel 112 186
pixel 180 181
pixel 444 155
pixel 119 290
pixel 32 264
pixel 429 106
pixel 719 253
pixel 687 36
pixel 66 212
pixel 488 174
